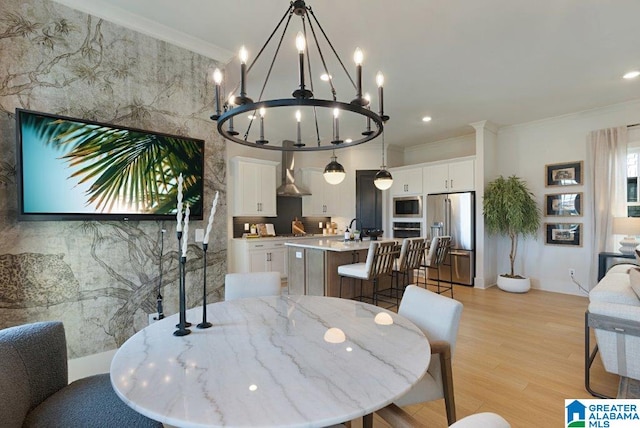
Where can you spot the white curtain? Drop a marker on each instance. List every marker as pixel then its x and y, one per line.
pixel 607 177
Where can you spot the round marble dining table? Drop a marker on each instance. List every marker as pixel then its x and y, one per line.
pixel 279 361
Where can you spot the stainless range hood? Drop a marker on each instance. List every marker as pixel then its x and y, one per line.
pixel 289 187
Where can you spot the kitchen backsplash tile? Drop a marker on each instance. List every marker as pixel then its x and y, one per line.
pixel 282 224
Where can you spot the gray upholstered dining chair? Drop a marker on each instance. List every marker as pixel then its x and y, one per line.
pixel 439 318
pixel 251 284
pixel 34 390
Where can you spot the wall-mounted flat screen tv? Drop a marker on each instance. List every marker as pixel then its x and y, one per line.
pixel 74 169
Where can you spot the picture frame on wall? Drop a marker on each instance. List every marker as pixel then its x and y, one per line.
pixel 565 234
pixel 564 174
pixel 563 204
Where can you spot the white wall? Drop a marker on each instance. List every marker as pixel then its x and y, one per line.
pixel 90 365
pixel 524 150
pixel 441 150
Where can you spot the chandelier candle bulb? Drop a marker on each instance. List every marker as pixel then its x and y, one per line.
pixel 300 44
pixel 179 214
pixel 380 82
pixel 205 241
pixel 186 231
pixel 244 55
pixel 357 58
pixel 262 140
pixel 217 79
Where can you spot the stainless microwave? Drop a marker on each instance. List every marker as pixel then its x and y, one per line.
pixel 407 206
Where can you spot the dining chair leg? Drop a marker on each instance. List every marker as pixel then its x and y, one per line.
pixel 447 385
pixel 361 292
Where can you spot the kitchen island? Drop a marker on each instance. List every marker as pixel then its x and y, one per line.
pixel 262 254
pixel 313 267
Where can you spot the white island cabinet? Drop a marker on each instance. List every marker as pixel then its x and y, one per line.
pixel 254 183
pixel 260 255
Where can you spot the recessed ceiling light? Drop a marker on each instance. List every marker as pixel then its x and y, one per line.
pixel 251 117
pixel 348 140
pixel 426 119
pixel 325 77
pixel 632 74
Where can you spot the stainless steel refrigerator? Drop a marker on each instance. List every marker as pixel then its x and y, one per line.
pixel 453 214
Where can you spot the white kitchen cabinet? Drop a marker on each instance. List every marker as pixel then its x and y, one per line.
pixel 254 182
pixel 261 255
pixel 449 177
pixel 326 199
pixel 406 181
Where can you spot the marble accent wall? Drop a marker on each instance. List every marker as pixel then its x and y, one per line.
pixel 100 278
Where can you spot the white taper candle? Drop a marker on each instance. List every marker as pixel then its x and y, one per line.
pixel 213 213
pixel 179 215
pixel 185 235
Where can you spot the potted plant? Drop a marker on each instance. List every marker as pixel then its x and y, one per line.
pixel 510 209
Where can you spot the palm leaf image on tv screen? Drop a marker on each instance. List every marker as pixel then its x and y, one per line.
pixel 76 167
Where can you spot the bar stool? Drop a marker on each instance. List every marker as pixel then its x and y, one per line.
pixel 435 258
pixel 411 255
pixel 380 259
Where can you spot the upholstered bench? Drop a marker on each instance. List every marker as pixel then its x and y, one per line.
pixel 34 390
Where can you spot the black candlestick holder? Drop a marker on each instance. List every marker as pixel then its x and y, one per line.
pixel 182 325
pixel 204 323
pixel 183 273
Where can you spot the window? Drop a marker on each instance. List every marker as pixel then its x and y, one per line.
pixel 633 165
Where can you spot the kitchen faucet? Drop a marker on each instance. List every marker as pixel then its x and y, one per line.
pixel 356 220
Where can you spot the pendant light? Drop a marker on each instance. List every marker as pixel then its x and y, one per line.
pixel 383 179
pixel 334 172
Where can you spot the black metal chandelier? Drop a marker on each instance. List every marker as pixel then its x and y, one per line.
pixel 324 113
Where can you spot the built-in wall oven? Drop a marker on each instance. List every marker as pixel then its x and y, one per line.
pixel 407 206
pixel 408 229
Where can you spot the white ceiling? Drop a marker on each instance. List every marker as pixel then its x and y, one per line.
pixel 459 61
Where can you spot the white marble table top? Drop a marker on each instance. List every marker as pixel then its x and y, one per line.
pixel 286 361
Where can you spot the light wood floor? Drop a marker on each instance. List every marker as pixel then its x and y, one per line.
pixel 519 355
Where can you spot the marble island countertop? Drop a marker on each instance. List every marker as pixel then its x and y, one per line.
pixel 333 244
pixel 290 237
